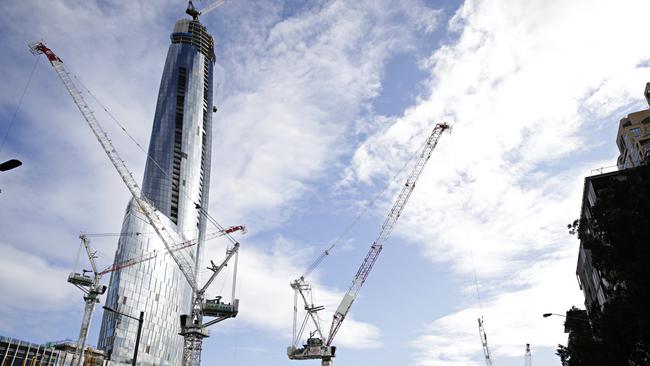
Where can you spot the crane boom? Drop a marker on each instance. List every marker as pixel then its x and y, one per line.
pixel 484 342
pixel 186 244
pixel 194 12
pixel 148 210
pixel 386 229
pixel 212 6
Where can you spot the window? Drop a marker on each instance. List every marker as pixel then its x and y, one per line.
pixel 636 131
pixel 178 141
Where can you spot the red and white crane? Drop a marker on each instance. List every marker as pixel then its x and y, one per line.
pixel 318 347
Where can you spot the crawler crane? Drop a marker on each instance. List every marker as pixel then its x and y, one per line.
pixel 317 346
pixel 193 329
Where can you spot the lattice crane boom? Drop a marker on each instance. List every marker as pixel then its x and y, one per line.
pixel 386 229
pixel 147 209
pixel 186 244
pixel 484 342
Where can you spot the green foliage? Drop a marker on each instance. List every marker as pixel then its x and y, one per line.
pixel 618 236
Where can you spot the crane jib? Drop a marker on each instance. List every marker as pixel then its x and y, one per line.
pixel 150 213
pixel 386 229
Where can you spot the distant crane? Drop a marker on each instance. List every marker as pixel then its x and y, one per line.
pixel 484 342
pixel 92 288
pixel 192 327
pixel 528 357
pixel 194 13
pixel 317 346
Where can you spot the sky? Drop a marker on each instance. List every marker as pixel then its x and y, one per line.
pixel 320 105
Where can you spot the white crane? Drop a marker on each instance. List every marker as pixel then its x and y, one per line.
pixel 192 327
pixel 92 287
pixel 318 347
pixel 484 342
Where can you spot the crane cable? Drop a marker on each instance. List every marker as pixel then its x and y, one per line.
pixel 20 102
pixel 469 242
pixel 202 211
pixel 149 157
pixel 329 249
pixel 76 260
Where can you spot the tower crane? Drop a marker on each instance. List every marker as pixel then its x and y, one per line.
pixel 484 342
pixel 317 346
pixel 194 12
pixel 527 356
pixel 92 288
pixel 193 329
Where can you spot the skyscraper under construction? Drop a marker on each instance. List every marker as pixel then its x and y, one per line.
pixel 176 181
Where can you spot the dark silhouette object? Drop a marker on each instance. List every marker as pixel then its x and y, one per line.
pixel 137 338
pixel 10 164
pixel 617 234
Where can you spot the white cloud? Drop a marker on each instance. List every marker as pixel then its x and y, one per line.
pixel 297 101
pixel 291 86
pixel 526 86
pixel 267 299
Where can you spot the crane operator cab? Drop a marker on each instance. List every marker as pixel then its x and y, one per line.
pixel 79 279
pixel 215 308
pixel 313 349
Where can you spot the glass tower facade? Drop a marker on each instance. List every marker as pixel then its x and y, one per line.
pixel 176 182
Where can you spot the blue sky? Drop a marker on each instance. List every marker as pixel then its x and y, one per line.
pixel 320 103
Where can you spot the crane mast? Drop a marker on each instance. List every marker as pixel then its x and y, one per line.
pixel 317 347
pixel 484 342
pixel 91 289
pixel 386 229
pixel 193 329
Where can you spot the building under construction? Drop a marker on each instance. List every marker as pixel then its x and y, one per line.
pixel 176 182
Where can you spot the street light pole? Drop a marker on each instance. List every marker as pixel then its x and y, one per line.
pixel 546 315
pixel 10 164
pixel 137 339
